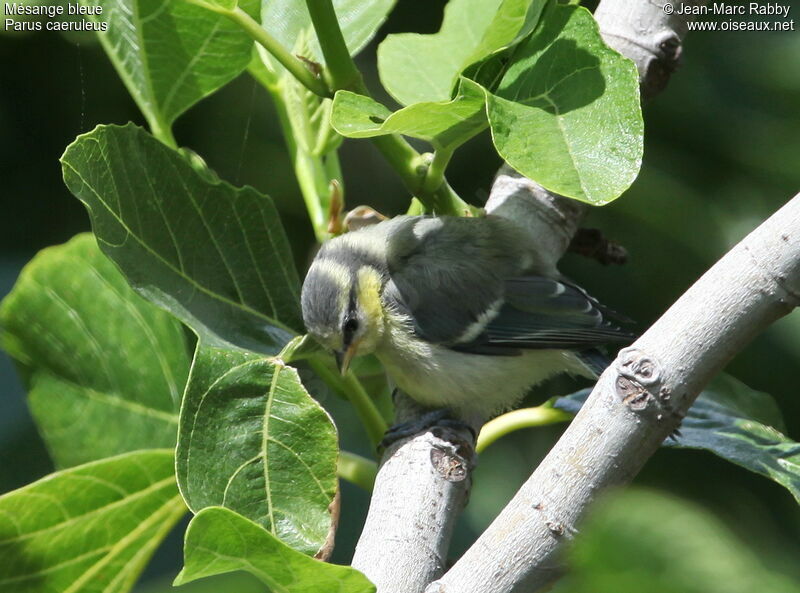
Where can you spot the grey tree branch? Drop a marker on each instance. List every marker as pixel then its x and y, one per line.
pixel 636 403
pixel 421 487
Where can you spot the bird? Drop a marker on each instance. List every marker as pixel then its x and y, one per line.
pixel 461 311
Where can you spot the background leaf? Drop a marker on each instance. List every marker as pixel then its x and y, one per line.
pixel 252 439
pixel 566 112
pixel 219 540
pixel 289 22
pixel 443 123
pixel 639 540
pixel 215 256
pixel 418 68
pixel 91 528
pixel 735 422
pixel 172 54
pixel 105 369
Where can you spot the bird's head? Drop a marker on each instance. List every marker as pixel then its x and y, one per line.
pixel 342 308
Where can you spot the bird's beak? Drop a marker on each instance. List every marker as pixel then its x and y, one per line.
pixel 343 358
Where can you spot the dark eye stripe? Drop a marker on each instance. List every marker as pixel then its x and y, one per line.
pixel 350 322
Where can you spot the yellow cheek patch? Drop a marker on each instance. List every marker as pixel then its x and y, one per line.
pixel 369 294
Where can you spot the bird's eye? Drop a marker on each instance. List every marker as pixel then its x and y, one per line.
pixel 349 327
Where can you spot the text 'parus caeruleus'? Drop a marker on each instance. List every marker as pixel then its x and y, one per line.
pixel 453 309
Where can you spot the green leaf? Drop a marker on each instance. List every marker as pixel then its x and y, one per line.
pixel 289 22
pixel 105 369
pixel 445 124
pixel 645 541
pixel 171 54
pixel 224 4
pixel 219 541
pixel 213 255
pixel 735 422
pixel 743 426
pixel 91 528
pixel 566 112
pixel 418 68
pixel 251 439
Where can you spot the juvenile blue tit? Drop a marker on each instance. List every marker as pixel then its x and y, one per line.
pixel 453 309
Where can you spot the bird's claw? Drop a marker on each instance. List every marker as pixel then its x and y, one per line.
pixel 428 420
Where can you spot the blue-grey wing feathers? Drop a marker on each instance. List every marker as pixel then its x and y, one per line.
pixel 463 283
pixel 448 274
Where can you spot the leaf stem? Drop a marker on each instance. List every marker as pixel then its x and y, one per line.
pixel 273 46
pixel 434 177
pixel 340 68
pixel 525 418
pixel 351 388
pixel 357 470
pixel 343 74
pixel 163 133
pixel 313 172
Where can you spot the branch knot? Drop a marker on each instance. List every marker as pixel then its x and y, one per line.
pixel 638 379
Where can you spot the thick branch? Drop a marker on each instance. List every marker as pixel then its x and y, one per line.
pixel 635 405
pixel 549 219
pixel 420 489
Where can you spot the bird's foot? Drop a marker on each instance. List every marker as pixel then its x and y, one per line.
pixel 427 420
pixel 675 434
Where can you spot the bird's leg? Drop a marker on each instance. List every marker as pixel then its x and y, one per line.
pixel 442 417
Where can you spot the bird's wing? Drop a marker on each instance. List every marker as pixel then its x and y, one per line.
pixel 448 274
pixel 541 312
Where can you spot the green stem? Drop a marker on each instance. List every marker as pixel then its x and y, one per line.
pixel 342 71
pixel 343 74
pixel 280 53
pixel 163 133
pixel 311 171
pixel 351 388
pixel 512 421
pixel 357 470
pixel 413 170
pixel 434 177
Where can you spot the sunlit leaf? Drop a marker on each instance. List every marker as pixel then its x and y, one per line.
pixel 105 369
pixel 253 440
pixel 289 22
pixel 171 54
pixel 89 529
pixel 566 112
pixel 219 541
pixel 418 68
pixel 215 256
pixel 443 124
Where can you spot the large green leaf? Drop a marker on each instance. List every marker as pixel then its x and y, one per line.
pixel 252 439
pixel 215 256
pixel 289 22
pixel 566 112
pixel 105 369
pixel 171 54
pixel 219 541
pixel 644 541
pixel 445 124
pixel 418 68
pixel 91 528
pixel 738 424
